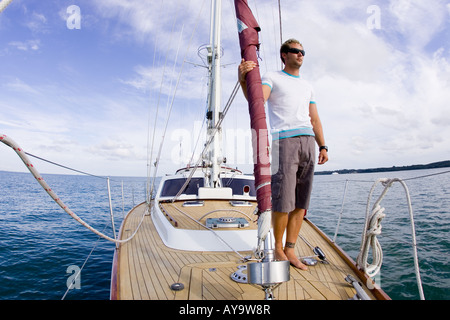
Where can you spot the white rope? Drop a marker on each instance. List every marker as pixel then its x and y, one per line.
pixel 372 229
pixel 370 240
pixel 10 142
pixel 4 4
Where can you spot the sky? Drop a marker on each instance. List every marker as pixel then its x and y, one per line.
pixel 89 84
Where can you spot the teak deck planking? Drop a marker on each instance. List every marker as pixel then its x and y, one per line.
pixel 146 268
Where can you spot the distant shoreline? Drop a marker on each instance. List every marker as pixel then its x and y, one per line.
pixel 434 165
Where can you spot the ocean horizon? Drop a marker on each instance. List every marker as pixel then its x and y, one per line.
pixel 42 246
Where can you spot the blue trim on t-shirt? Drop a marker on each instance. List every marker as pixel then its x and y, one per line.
pixel 283 134
pixel 267 84
pixel 291 75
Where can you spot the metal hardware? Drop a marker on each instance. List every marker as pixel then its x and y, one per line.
pixel 360 293
pixel 240 275
pixel 226 222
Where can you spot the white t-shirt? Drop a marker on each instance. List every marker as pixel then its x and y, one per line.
pixel 288 104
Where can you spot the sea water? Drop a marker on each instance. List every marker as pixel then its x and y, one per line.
pixel 42 248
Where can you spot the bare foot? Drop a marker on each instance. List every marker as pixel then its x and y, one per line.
pixel 280 255
pixel 290 254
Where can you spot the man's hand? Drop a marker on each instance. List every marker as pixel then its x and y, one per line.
pixel 244 68
pixel 323 156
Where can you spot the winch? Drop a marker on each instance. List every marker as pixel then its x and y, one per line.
pixel 268 273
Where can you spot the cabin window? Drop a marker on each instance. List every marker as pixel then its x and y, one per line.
pixel 171 187
pixel 240 186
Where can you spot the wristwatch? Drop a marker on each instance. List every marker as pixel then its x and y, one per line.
pixel 323 147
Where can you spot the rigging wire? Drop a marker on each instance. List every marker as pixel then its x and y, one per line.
pixel 82 267
pixel 21 153
pixel 213 231
pixel 262 47
pixel 281 23
pixel 281 27
pixel 149 158
pixel 375 229
pixel 165 128
pixel 149 192
pixel 65 167
pixel 279 3
pixel 198 139
pixel 208 143
pixel 174 94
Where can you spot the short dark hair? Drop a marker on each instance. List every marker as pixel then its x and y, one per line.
pixel 286 45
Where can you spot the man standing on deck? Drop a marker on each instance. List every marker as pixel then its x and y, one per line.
pixel 295 124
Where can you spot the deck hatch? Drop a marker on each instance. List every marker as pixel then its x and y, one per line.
pixel 194 203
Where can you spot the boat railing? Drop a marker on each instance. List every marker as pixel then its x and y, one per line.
pixel 33 170
pixel 372 228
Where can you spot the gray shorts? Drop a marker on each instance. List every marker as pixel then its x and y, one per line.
pixel 292 183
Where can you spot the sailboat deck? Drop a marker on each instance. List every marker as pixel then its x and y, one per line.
pixel 146 269
pixel 178 214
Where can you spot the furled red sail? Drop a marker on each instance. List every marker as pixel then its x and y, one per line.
pixel 249 42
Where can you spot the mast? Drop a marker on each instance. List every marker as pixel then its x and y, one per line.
pixel 268 272
pixel 248 29
pixel 215 158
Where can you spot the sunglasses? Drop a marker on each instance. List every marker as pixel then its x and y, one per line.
pixel 296 51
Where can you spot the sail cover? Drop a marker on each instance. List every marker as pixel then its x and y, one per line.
pixel 249 42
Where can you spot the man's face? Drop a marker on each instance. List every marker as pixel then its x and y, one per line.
pixel 294 60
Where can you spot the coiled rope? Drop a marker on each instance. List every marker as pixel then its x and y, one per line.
pixel 12 144
pixel 372 229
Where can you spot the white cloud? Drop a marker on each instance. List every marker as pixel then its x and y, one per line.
pixel 37 23
pixel 33 45
pixel 149 23
pixel 382 94
pixel 417 20
pixel 379 99
pixel 114 149
pixel 20 86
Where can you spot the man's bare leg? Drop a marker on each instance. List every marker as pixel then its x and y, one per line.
pixel 279 223
pixel 292 222
pixel 294 225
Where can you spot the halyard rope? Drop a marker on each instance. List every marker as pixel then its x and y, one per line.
pixel 11 143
